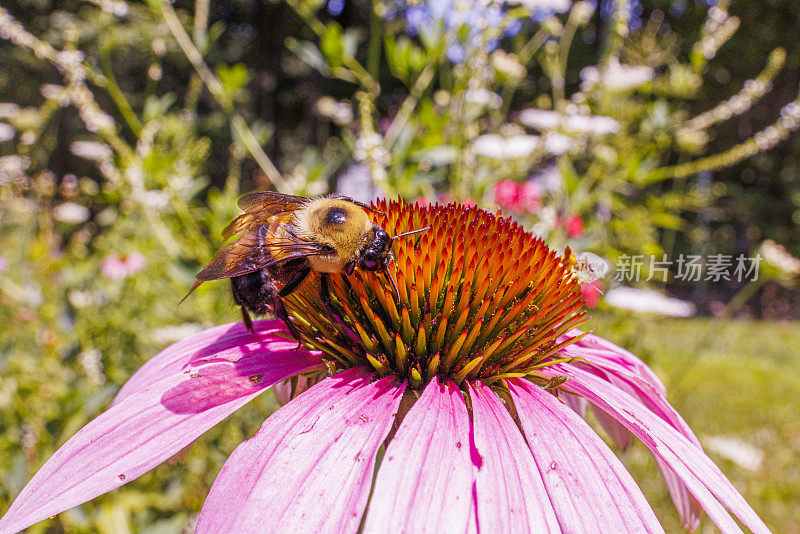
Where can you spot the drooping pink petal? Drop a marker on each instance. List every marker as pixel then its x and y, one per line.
pixel 147 427
pixel 225 340
pixel 426 478
pixel 509 492
pixel 589 487
pixel 620 435
pixel 627 372
pixel 311 464
pixel 688 461
pixel 600 351
pixel 578 404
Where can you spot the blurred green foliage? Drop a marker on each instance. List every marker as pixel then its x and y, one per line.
pixel 132 127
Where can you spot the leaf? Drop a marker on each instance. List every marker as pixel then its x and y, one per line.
pixel 332 44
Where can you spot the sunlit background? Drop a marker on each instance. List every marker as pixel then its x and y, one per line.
pixel 658 135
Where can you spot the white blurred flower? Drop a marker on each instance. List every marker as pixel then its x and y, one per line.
pixel 29 294
pixel 154 72
pixel 339 112
pixel 55 92
pixel 541 120
pixel 498 147
pixel 557 144
pixel 649 301
pixel 9 110
pixel 90 362
pixel 82 299
pixel 172 333
pixel 592 124
pixel 558 6
pixel 154 199
pixel 548 219
pixel 71 213
pixel 13 168
pixel 483 97
pixel 370 150
pixel 7 132
pixel 777 256
pixel 356 182
pixel 616 76
pixel 91 150
pixel 735 450
pixel 508 64
pixel 548 179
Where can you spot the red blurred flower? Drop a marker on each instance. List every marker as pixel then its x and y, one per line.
pixel 507 195
pixel 591 292
pixel 574 226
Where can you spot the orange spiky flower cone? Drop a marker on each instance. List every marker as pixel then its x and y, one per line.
pixel 480 298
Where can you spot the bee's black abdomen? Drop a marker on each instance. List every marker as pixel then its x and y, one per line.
pixel 255 291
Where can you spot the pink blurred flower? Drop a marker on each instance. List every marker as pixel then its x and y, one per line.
pixel 574 226
pixel 507 195
pixel 120 266
pixel 517 198
pixel 422 202
pixel 591 292
pixel 469 203
pixel 529 197
pixel 3 263
pixel 448 467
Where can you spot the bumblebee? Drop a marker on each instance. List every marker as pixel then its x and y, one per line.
pixel 282 238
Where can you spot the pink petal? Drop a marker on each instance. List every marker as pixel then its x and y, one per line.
pixel 147 427
pixel 510 494
pixel 426 478
pixel 601 351
pixel 620 435
pixel 578 404
pixel 311 464
pixel 589 487
pixel 630 374
pixel 230 340
pixel 702 478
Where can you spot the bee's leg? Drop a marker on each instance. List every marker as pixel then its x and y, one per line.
pixel 296 279
pixel 237 298
pixel 325 297
pixel 248 322
pixel 280 312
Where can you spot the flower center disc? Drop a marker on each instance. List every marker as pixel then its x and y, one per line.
pixel 480 298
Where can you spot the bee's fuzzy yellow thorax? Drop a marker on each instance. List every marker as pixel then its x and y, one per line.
pixel 339 224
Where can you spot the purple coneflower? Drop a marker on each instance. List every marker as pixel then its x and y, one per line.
pixel 466 388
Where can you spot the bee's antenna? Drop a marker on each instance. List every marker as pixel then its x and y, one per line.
pixel 394 284
pixel 411 232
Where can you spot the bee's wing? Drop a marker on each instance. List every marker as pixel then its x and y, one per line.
pixel 258 248
pixel 264 208
pixel 268 203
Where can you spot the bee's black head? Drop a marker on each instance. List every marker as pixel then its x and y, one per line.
pixel 373 258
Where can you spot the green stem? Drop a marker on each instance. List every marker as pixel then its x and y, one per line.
pixel 375 36
pixel 408 105
pixel 117 95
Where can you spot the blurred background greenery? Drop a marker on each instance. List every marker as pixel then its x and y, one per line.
pixel 129 129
